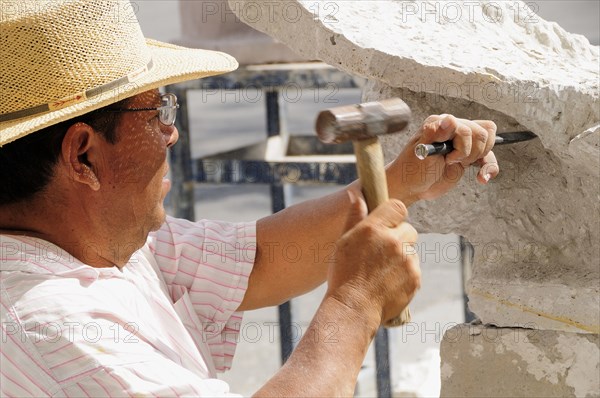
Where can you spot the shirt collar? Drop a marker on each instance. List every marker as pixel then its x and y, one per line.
pixel 38 256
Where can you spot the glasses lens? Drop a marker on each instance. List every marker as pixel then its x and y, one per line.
pixel 168 111
pixel 167 116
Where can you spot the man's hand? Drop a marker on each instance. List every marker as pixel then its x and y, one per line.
pixel 411 179
pixel 376 270
pixel 374 276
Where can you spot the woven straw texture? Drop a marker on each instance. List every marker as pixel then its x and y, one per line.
pixel 53 51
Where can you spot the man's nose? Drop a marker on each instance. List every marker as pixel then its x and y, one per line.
pixel 173 135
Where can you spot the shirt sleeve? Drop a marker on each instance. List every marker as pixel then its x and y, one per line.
pixel 212 261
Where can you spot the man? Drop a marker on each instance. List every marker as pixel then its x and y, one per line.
pixel 102 294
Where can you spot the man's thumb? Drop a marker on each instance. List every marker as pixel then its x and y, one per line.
pixel 357 212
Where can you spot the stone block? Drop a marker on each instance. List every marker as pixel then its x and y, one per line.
pixel 480 361
pixel 498 54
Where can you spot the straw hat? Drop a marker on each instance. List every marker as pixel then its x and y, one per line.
pixel 62 58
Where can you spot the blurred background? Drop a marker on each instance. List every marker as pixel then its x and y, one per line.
pixel 226 120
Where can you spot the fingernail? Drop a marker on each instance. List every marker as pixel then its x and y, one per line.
pixel 487 177
pixel 445 123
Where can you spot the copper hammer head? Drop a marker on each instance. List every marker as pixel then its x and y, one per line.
pixel 362 124
pixel 362 121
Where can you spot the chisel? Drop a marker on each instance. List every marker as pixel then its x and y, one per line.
pixel 442 148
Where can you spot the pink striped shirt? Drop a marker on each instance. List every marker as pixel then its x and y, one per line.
pixel 164 325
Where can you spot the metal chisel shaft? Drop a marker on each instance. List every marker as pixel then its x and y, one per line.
pixel 442 148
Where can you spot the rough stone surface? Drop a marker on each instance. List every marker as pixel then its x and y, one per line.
pixel 498 54
pixel 536 227
pixel 536 249
pixel 514 362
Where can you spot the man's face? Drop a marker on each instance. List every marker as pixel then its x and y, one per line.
pixel 135 169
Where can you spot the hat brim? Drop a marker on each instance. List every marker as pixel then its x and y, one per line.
pixel 171 64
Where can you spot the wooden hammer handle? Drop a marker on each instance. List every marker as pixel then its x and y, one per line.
pixel 371 172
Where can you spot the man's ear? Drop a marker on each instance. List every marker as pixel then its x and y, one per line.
pixel 80 144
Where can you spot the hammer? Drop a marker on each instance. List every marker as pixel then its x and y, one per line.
pixel 362 124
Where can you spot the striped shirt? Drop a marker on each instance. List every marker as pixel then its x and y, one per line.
pixel 163 325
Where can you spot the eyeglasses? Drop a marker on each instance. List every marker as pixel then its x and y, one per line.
pixel 167 112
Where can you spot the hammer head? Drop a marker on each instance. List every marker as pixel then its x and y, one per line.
pixel 362 121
